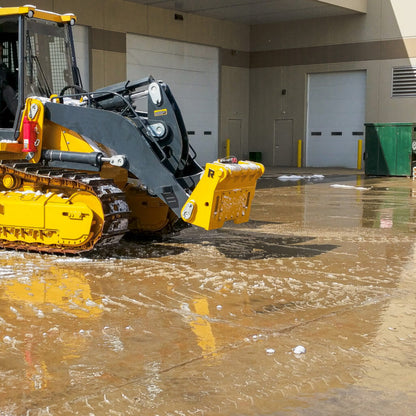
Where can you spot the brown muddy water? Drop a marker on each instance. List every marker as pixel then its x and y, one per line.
pixel 207 323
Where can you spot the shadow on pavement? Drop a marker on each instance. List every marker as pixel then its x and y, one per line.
pixel 235 244
pixel 255 246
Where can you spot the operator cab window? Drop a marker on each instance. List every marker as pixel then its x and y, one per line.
pixel 8 71
pixel 48 59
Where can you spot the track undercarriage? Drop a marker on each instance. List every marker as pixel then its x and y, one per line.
pixel 54 210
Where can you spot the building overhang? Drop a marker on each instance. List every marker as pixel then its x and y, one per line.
pixel 359 6
pixel 253 12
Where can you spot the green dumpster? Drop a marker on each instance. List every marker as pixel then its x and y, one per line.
pixel 255 156
pixel 388 149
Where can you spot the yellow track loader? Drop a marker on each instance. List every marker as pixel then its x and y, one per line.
pixel 80 169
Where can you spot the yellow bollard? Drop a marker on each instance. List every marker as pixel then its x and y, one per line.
pixel 299 153
pixel 360 153
pixel 227 147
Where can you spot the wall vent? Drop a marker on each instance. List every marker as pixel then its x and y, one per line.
pixel 404 81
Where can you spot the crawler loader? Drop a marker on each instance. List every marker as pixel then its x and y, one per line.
pixel 80 169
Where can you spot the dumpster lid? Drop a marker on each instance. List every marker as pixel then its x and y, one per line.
pixel 390 124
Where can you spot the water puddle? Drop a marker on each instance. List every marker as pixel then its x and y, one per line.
pixel 208 323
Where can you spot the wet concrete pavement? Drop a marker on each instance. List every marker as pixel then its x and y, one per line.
pixel 205 323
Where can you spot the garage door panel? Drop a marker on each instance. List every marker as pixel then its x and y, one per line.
pixel 170 61
pixel 199 113
pixel 334 157
pixel 192 73
pixel 181 76
pixel 191 78
pixel 169 47
pixel 336 109
pixel 142 49
pixel 195 92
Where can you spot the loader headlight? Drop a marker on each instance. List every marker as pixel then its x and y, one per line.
pixel 72 22
pixel 30 13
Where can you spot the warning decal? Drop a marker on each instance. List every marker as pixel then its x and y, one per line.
pixel 162 112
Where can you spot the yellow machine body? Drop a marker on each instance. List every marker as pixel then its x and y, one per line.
pixel 148 214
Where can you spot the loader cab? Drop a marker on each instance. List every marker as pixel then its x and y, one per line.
pixel 38 60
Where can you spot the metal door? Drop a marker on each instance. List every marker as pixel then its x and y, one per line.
pixel 234 135
pixel 283 150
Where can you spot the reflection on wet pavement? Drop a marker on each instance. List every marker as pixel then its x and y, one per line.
pixel 206 323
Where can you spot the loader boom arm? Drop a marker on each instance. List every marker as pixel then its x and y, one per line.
pixel 123 136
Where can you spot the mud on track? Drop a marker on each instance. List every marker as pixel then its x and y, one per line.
pixel 205 323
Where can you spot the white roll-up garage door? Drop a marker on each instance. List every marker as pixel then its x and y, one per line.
pixel 192 73
pixel 336 115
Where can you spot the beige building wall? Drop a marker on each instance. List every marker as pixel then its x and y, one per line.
pixel 109 21
pixel 282 56
pixel 234 105
pixel 118 17
pixel 258 62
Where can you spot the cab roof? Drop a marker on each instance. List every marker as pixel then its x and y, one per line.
pixel 32 11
